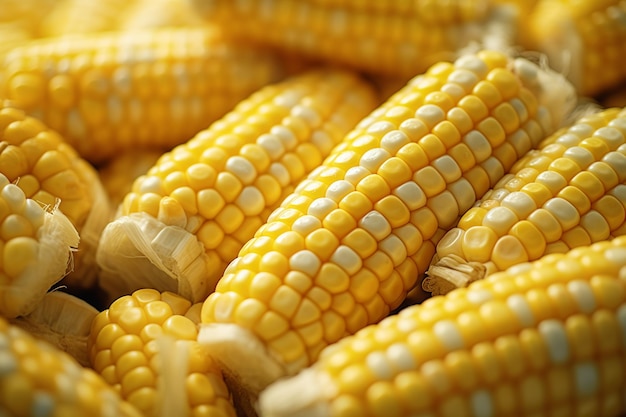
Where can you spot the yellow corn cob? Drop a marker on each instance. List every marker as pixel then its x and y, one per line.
pixel 193 211
pixel 584 39
pixel 110 92
pixel 144 345
pixel 118 174
pixel 144 14
pixel 36 379
pixel 47 169
pixel 62 320
pixel 355 236
pixel 401 38
pixel 542 338
pixel 569 193
pixel 85 16
pixel 36 244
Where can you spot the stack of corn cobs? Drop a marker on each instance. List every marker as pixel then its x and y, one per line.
pixel 346 208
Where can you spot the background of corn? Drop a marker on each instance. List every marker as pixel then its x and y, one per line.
pixel 236 203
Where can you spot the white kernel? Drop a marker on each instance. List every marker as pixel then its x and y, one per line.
pixel 478 144
pixel 463 193
pixel 582 130
pixel 280 173
pixel 380 128
pixel 322 141
pixel 356 173
pixel 320 207
pixel 288 98
pixel 393 247
pixel 285 135
pixel 478 296
pixel 617 161
pixel 611 136
pixel 34 213
pixel 376 224
pixel 463 77
pixel 520 307
pixel 472 63
pixel 305 261
pixel 616 255
pixel 250 201
pixel 586 379
pixel 563 211
pixel 448 168
pixel 14 197
pixel 520 203
pixel 339 189
pixel 449 335
pixel 241 168
pixel 308 114
pixel 272 145
pixel 555 338
pixel 346 258
pixel 568 140
pixel 500 220
pixel 482 403
pixel 400 357
pixel 151 184
pixel 372 159
pixel 411 195
pixel 379 365
pixel 583 294
pixel 520 108
pixel 583 157
pixel 306 224
pixel 393 141
pixel 430 114
pixel 493 168
pixel 552 180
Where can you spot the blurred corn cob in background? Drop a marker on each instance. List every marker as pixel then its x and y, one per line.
pixel 187 218
pixel 21 20
pixel 584 39
pixel 39 380
pixel 400 38
pixel 120 172
pixel 570 192
pixel 146 14
pixel 71 17
pixel 144 345
pixel 51 173
pixel 356 235
pixel 106 93
pixel 542 338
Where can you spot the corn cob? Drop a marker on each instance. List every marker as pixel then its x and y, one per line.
pixel 584 39
pixel 395 38
pixel 144 14
pixel 36 245
pixel 118 174
pixel 570 192
pixel 39 380
pixel 63 320
pixel 542 338
pixel 144 345
pixel 50 172
pixel 343 250
pixel 70 17
pixel 106 93
pixel 192 212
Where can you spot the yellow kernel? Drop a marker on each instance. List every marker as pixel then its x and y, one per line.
pixel 263 286
pixel 413 155
pixel 432 146
pixel 285 301
pixel 474 107
pixel 19 253
pixel 364 285
pixel 356 203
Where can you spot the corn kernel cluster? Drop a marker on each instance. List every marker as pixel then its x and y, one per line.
pixel 312 208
